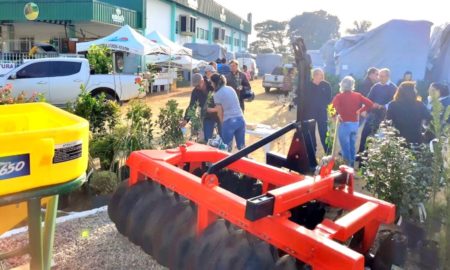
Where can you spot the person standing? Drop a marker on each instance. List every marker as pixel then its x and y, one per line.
pixel 223 68
pixel 381 93
pixel 349 105
pixel 369 81
pixel 246 72
pixel 229 112
pixel 288 82
pixel 317 98
pixel 440 91
pixel 199 96
pixel 238 81
pixel 407 77
pixel 408 113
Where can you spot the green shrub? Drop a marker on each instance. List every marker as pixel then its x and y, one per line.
pixel 169 125
pixel 103 182
pixel 102 114
pixel 100 59
pixel 394 171
pixel 102 146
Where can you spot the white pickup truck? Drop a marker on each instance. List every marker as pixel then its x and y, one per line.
pixel 273 80
pixel 59 79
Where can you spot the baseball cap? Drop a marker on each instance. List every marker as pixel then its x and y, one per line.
pixel 210 69
pixel 196 79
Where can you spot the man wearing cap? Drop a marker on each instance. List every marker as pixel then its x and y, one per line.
pixel 200 95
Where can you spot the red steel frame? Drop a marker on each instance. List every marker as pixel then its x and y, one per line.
pixel 321 247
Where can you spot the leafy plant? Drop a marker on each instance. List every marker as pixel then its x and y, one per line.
pixel 391 169
pixel 104 182
pixel 100 59
pixel 329 140
pixel 102 146
pixel 168 123
pixel 195 119
pixel 102 114
pixel 138 132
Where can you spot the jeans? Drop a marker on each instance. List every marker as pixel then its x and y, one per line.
pixel 208 128
pixel 234 127
pixel 347 138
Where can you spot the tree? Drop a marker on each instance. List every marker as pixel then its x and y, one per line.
pixel 316 28
pixel 273 34
pixel 359 27
pixel 260 46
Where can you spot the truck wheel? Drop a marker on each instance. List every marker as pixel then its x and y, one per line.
pixel 109 94
pixel 267 89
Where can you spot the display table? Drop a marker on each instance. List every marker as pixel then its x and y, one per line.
pixel 260 131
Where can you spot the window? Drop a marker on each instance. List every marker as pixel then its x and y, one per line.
pixel 36 70
pixel 177 27
pixel 199 32
pixel 64 68
pixel 206 34
pixel 236 42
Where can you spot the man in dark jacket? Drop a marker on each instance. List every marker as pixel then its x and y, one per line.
pixel 199 96
pixel 381 93
pixel 317 99
pixel 369 81
pixel 238 81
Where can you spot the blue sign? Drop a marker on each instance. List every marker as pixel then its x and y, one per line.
pixel 14 166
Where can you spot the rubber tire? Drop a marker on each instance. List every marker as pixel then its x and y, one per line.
pixel 130 198
pixel 144 207
pixel 267 89
pixel 151 221
pixel 182 241
pixel 207 244
pixel 115 200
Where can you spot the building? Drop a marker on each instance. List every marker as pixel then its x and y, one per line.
pixel 63 23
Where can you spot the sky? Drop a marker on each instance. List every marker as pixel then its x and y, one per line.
pixel 375 11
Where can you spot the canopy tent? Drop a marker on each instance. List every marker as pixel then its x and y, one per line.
pixel 398 45
pixel 440 54
pixel 207 52
pixel 174 48
pixel 183 61
pixel 125 39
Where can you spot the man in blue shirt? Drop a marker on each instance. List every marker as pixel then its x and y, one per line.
pixel 381 93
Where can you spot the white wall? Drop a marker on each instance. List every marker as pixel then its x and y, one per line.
pixel 158 17
pixel 203 22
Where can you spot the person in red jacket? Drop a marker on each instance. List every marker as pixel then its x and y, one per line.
pixel 349 105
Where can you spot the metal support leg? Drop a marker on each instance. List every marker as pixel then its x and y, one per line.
pixel 49 230
pixel 35 234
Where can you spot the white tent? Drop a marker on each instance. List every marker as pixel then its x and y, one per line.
pixel 183 61
pixel 174 48
pixel 126 39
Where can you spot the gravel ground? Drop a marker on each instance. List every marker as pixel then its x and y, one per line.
pixel 87 243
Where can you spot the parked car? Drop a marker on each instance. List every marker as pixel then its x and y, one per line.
pixel 251 65
pixel 59 79
pixel 273 80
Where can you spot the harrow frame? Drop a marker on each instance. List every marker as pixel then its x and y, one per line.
pixel 282 190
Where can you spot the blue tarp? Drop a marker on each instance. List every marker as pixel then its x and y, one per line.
pixel 206 52
pixel 440 55
pixel 398 45
pixel 267 62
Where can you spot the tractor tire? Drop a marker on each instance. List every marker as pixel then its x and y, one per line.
pixel 115 200
pixel 182 241
pixel 130 198
pixel 267 89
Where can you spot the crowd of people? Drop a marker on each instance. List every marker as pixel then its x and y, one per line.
pixel 220 94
